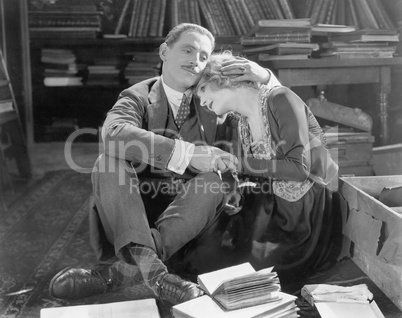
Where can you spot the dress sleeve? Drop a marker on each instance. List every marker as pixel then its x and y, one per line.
pixel 289 127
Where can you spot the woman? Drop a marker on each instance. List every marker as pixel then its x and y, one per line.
pixel 291 220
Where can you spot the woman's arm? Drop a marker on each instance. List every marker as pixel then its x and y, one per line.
pixel 290 136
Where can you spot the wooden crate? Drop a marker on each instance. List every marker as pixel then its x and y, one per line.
pixel 353 152
pixel 387 160
pixel 373 232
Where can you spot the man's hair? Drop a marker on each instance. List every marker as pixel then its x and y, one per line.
pixel 175 34
pixel 212 73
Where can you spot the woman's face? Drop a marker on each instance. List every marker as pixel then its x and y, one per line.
pixel 220 101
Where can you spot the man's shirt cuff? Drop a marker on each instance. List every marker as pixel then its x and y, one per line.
pixel 181 156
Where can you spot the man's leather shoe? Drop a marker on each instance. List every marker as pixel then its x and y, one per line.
pixel 175 290
pixel 77 283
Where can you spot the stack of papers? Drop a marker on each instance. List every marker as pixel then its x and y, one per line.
pixel 334 301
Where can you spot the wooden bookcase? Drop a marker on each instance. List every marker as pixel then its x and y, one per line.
pixel 87 105
pixel 59 110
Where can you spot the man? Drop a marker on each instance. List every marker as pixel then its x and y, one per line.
pixel 155 186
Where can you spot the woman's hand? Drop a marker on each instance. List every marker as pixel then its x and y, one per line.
pixel 245 70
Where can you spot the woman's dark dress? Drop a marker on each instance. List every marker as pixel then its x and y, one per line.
pixel 295 228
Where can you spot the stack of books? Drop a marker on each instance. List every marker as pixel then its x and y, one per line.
pixel 364 43
pixel 60 67
pixel 239 291
pixel 65 19
pixel 141 66
pixel 279 39
pixel 104 72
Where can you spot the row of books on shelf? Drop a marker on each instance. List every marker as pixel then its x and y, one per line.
pixel 60 68
pixel 222 17
pixel 299 39
pixel 153 18
pixel 70 20
pixel 359 13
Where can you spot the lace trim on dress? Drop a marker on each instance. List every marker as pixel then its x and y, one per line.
pixel 263 149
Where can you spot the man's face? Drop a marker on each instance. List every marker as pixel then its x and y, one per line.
pixel 184 61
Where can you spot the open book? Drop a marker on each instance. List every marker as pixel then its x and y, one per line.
pixel 241 286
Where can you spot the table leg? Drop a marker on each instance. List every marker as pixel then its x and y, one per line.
pixel 385 89
pixel 383 105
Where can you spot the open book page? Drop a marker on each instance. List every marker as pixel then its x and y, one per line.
pixel 209 282
pixel 204 306
pixel 144 308
pixel 235 277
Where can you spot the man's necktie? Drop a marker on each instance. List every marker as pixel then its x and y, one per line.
pixel 183 112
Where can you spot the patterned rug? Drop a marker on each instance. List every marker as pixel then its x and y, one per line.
pixel 42 232
pixel 45 230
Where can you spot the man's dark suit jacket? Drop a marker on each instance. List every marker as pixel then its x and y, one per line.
pixel 140 128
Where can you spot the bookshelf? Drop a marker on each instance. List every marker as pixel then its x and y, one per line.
pixel 115 28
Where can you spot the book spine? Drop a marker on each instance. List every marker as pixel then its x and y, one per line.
pixel 266 9
pixel 191 10
pixel 254 9
pixel 247 14
pixel 232 16
pixel 372 23
pixel 162 18
pixel 316 11
pixel 154 22
pixel 197 12
pixel 330 12
pixel 381 15
pixel 308 9
pixel 276 9
pixel 174 15
pixel 208 16
pixel 340 12
pixel 132 18
pixel 287 9
pixel 145 30
pixel 141 21
pixel 122 17
pixel 323 11
pixel 240 15
pixel 218 17
pixel 352 16
pixel 230 30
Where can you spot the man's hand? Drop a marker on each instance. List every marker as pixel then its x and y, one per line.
pixel 233 201
pixel 208 158
pixel 245 70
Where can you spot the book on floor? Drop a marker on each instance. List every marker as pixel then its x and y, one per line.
pixel 241 286
pixel 334 301
pixel 204 306
pixel 143 308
